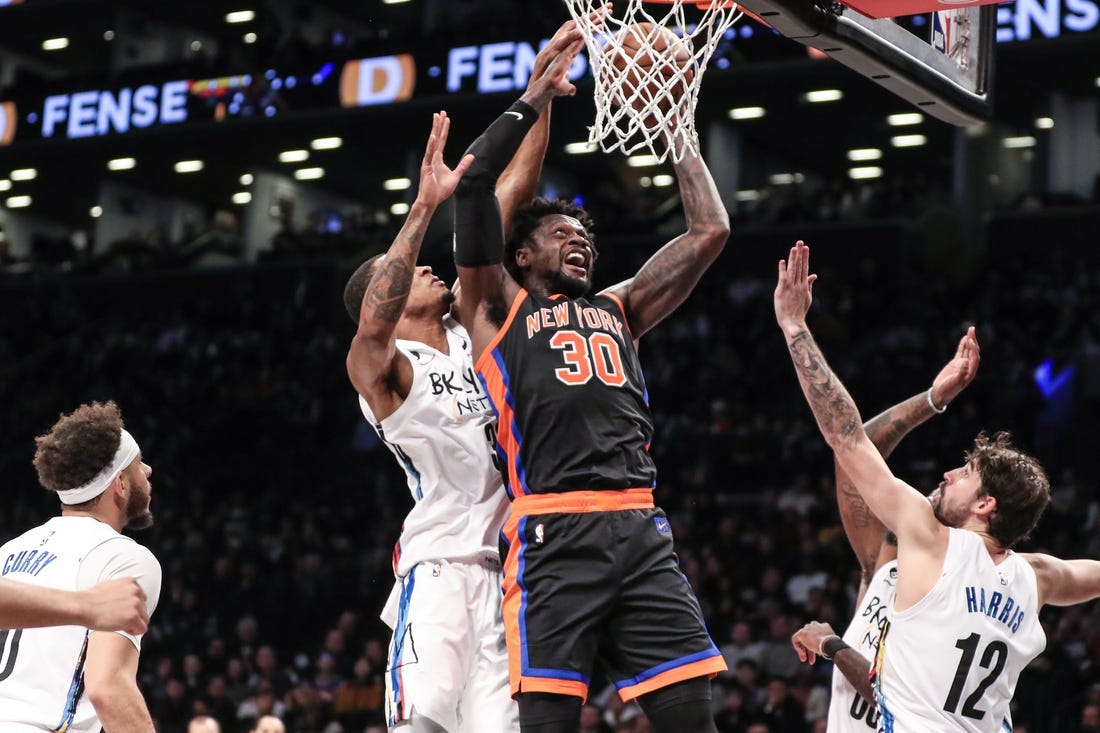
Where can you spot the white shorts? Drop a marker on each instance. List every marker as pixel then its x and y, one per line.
pixel 448 660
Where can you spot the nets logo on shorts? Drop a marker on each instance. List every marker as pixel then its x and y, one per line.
pixel 662 525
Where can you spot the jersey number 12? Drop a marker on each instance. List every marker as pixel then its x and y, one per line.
pixel 993 658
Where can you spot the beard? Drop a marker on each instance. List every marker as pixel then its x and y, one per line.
pixel 570 287
pixel 138 515
pixel 449 298
pixel 948 517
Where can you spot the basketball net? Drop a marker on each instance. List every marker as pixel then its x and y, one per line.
pixel 650 108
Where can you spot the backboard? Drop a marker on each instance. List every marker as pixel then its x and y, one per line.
pixel 946 74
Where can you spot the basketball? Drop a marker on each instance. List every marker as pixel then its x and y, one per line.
pixel 649 59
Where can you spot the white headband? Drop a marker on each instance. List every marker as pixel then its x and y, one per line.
pixel 127 451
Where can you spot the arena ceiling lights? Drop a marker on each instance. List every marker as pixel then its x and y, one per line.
pixel 904 118
pixel 326 143
pixel 908 141
pixel 818 96
pixel 240 16
pixel 746 113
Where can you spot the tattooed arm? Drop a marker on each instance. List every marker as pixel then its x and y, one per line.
pixel 865 532
pixel 376 368
pixel 899 506
pixel 668 277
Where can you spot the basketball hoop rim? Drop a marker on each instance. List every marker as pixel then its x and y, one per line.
pixel 705 4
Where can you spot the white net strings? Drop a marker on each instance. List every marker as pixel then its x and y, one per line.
pixel 634 119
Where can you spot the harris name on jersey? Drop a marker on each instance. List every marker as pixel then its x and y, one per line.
pixel 995 605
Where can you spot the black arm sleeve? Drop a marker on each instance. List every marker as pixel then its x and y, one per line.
pixel 479 238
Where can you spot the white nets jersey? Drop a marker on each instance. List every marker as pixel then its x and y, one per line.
pixel 42 670
pixel 951 662
pixel 444 436
pixel 848 711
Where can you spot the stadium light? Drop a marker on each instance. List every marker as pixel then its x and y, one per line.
pixel 824 95
pixel 746 113
pixel 309 174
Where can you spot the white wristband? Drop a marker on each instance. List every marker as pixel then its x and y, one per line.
pixel 933 404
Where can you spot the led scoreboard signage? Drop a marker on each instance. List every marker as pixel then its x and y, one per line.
pixel 90 112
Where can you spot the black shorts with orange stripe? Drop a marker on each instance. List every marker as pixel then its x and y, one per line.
pixel 591 577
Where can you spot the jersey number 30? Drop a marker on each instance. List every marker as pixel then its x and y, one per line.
pixel 598 354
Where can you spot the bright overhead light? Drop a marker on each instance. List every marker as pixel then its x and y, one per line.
pixel 399 209
pixel 240 16
pixel 293 156
pixel 121 164
pixel 1044 123
pixel 860 154
pixel 55 44
pixel 904 118
pixel 24 174
pixel 748 194
pixel 242 197
pixel 326 143
pixel 824 95
pixel 249 37
pixel 580 148
pixel 785 179
pixel 1022 141
pixel 95 212
pixel 663 180
pixel 309 174
pixel 642 161
pixel 18 202
pixel 246 179
pixel 189 166
pixel 5 184
pixel 746 113
pixel 871 171
pixel 396 184
pixel 394 2
pixel 908 141
pixel 1098 81
pixel 108 35
pixel 645 181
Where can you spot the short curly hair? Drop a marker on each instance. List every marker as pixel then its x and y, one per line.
pixel 78 446
pixel 1016 481
pixel 527 220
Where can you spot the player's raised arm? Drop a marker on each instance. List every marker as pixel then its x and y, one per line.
pixel 668 277
pixel 374 364
pixel 899 506
pixel 886 430
pixel 479 233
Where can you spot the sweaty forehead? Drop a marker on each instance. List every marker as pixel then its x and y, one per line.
pixel 552 220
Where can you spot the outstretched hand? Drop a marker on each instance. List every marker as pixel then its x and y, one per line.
pixel 550 73
pixel 437 181
pixel 959 372
pixel 794 292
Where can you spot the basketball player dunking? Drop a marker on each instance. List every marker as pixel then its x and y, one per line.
pixel 590 569
pixel 411 364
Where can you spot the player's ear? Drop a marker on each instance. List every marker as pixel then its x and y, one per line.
pixel 523 256
pixel 987 505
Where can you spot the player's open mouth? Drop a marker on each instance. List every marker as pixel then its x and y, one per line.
pixel 577 261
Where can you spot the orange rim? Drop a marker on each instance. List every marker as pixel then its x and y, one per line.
pixel 704 4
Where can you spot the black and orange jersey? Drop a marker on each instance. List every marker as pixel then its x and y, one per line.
pixel 567 386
